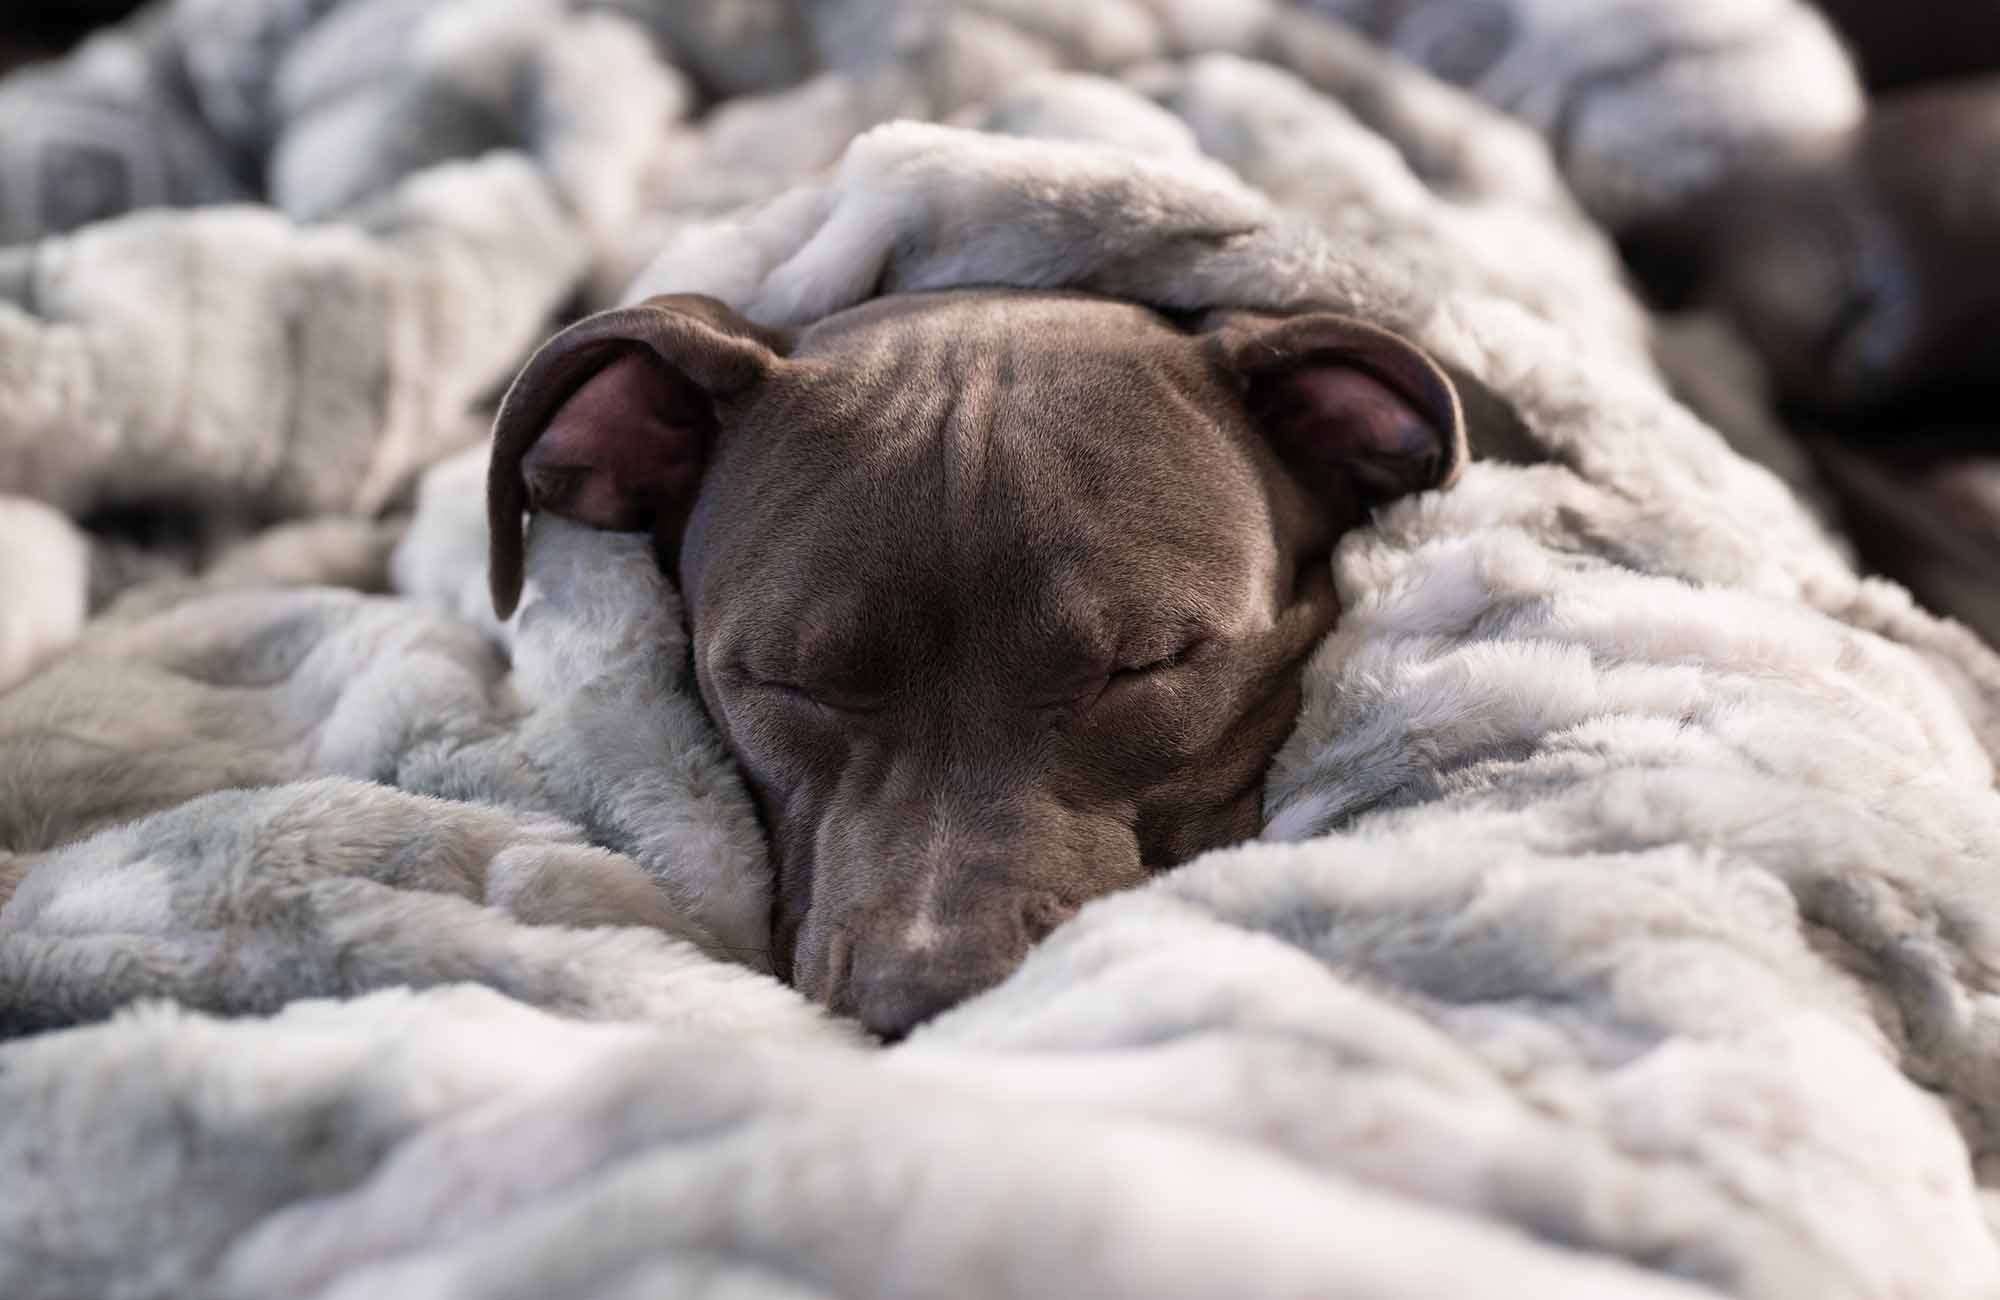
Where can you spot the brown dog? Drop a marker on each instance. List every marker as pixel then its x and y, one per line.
pixel 1000 598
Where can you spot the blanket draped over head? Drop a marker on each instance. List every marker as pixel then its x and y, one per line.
pixel 1624 923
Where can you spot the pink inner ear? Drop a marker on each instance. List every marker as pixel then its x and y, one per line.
pixel 625 446
pixel 1340 420
pixel 1366 414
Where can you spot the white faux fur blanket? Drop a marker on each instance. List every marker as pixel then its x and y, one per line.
pixel 1624 919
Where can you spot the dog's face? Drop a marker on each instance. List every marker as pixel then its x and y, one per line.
pixel 999 598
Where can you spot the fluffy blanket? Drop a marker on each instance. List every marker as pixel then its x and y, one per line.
pixel 1623 921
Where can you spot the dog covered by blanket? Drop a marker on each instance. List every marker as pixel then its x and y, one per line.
pixel 1619 922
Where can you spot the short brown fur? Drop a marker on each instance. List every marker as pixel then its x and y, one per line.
pixel 999 598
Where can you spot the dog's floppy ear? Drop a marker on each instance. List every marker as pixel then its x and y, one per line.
pixel 1361 413
pixel 612 421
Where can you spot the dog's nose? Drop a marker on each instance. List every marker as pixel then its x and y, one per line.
pixel 905 979
pixel 894 1000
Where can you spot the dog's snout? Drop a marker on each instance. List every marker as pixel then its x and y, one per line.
pixel 893 998
pixel 915 973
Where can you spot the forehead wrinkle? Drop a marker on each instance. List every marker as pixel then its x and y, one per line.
pixel 973 416
pixel 1002 447
pixel 836 579
pixel 1195 573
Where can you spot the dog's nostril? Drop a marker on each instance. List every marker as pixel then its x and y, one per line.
pixel 1041 913
pixel 891 1007
pixel 898 985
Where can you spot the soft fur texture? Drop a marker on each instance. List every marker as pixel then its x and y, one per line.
pixel 1645 104
pixel 229 358
pixel 1623 925
pixel 590 721
pixel 45 571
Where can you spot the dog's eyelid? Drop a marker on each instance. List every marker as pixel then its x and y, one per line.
pixel 754 670
pixel 1140 666
pixel 1068 692
pixel 820 697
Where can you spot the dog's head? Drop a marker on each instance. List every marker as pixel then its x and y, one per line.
pixel 1000 598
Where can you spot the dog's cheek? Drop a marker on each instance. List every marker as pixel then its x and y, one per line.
pixel 791 905
pixel 1217 800
pixel 785 946
pixel 774 784
pixel 1187 828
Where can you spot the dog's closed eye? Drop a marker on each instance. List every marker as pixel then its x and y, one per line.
pixel 828 698
pixel 1159 665
pixel 1091 683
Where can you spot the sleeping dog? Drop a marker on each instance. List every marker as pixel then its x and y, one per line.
pixel 999 598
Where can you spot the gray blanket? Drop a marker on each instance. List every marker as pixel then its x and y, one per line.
pixel 1622 922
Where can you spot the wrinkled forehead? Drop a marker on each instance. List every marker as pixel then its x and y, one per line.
pixel 1048 470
